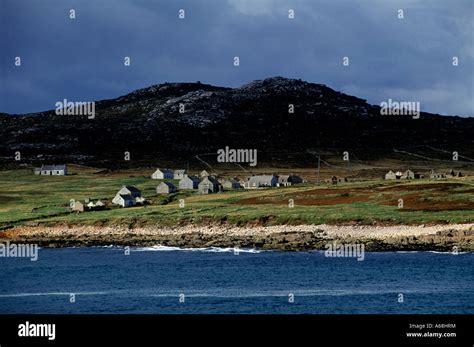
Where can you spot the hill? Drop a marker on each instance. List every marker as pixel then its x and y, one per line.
pixel 148 124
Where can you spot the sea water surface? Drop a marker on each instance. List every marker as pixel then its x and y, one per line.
pixel 156 280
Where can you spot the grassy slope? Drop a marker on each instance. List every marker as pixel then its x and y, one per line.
pixel 25 197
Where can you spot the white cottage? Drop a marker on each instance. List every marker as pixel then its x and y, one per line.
pixel 51 170
pixel 179 174
pixel 161 174
pixel 128 196
pixel 124 200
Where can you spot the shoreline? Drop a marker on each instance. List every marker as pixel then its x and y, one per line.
pixel 444 237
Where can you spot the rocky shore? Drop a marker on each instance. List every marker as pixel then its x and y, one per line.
pixel 446 238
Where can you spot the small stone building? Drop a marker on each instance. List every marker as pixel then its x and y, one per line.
pixel 189 182
pixel 390 175
pixel 124 200
pixel 408 174
pixel 259 181
pixel 131 190
pixel 161 174
pixel 51 170
pixel 436 175
pixel 230 184
pixel 179 174
pixel 209 185
pixel 128 196
pixel 165 188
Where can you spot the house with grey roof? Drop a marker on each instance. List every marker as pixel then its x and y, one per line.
pixel 165 188
pixel 283 181
pixel 51 170
pixel 131 190
pixel 408 175
pixel 260 181
pixel 209 185
pixel 288 180
pixel 189 182
pixel 231 184
pixel 436 175
pixel 124 200
pixel 128 196
pixel 390 175
pixel 161 174
pixel 179 174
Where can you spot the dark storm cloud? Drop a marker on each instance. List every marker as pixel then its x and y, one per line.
pixel 82 59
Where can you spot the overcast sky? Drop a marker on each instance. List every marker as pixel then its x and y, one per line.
pixel 406 59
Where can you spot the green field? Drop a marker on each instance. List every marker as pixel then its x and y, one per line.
pixel 29 199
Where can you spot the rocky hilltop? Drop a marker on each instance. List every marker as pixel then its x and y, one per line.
pixel 148 123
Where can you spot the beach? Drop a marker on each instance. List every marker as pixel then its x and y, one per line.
pixel 439 237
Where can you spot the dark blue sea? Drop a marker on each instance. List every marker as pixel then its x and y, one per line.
pixel 158 280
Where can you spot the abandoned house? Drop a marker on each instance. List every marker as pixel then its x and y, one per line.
pixel 165 188
pixel 231 184
pixel 261 181
pixel 53 170
pixel 390 175
pixel 408 174
pixel 161 174
pixel 189 182
pixel 132 190
pixel 179 174
pixel 453 173
pixel 209 185
pixel 436 175
pixel 124 200
pixel 128 196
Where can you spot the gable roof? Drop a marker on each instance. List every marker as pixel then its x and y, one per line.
pixel 195 179
pixel 53 167
pixel 169 184
pixel 132 189
pixel 165 171
pixel 180 172
pixel 126 196
pixel 283 178
pixel 210 179
pixel 262 178
pixel 231 180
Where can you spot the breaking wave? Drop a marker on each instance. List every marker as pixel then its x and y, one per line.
pixel 205 249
